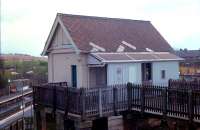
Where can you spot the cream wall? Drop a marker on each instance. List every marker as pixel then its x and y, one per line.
pixel 97 76
pixel 59 68
pixel 62 55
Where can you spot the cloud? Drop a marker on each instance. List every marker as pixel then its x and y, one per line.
pixel 26 24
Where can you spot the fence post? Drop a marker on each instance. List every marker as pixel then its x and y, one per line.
pixel 82 98
pixel 33 87
pixel 115 99
pixel 165 102
pixel 54 98
pixel 190 106
pixel 66 102
pixel 129 95
pixel 169 83
pixel 100 102
pixel 142 99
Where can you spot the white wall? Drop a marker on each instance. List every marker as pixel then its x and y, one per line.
pixel 171 71
pixel 131 72
pixel 122 73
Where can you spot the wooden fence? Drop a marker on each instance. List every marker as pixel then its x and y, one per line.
pixel 183 84
pixel 112 100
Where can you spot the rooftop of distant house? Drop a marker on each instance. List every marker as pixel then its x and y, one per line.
pixel 188 54
pixel 20 57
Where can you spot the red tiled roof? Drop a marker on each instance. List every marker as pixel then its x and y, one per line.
pixel 110 32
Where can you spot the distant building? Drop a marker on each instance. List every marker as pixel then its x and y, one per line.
pixel 20 57
pixel 190 67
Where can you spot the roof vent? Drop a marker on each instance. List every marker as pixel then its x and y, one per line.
pixel 149 50
pixel 120 48
pixel 96 47
pixel 94 50
pixel 129 45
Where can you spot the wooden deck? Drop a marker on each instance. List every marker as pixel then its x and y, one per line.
pixel 91 103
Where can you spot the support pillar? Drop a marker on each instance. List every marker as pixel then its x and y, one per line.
pixel 43 119
pixel 59 121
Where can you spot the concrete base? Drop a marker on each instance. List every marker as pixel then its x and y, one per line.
pixel 43 119
pixel 59 121
pixel 83 125
pixel 115 123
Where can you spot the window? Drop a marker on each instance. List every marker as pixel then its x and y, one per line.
pixel 163 74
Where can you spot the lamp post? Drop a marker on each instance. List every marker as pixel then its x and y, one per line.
pixel 22 107
pixel 9 87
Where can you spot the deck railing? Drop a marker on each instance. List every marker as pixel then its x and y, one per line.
pixel 183 84
pixel 111 100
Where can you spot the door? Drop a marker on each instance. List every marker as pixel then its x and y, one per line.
pixel 74 75
pixel 146 73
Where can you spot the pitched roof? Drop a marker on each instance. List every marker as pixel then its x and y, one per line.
pixel 135 57
pixel 109 33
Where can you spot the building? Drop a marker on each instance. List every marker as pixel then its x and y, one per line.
pixel 89 51
pixel 190 67
pixel 85 52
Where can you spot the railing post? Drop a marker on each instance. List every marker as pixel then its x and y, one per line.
pixel 115 99
pixel 54 98
pixel 33 87
pixel 129 95
pixel 169 83
pixel 190 106
pixel 100 102
pixel 165 102
pixel 82 98
pixel 142 99
pixel 66 102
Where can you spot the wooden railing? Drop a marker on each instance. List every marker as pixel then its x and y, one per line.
pixel 183 84
pixel 95 102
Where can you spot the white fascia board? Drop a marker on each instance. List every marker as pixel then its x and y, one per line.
pixel 50 36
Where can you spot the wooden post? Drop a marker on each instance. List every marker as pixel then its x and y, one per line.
pixel 115 99
pixel 66 102
pixel 54 99
pixel 100 102
pixel 129 95
pixel 142 99
pixel 169 83
pixel 190 106
pixel 165 102
pixel 82 98
pixel 34 97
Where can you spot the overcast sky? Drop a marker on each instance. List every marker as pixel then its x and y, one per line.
pixel 25 24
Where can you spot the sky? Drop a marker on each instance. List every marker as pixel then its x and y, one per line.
pixel 25 24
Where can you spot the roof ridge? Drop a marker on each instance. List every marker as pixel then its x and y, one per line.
pixel 101 18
